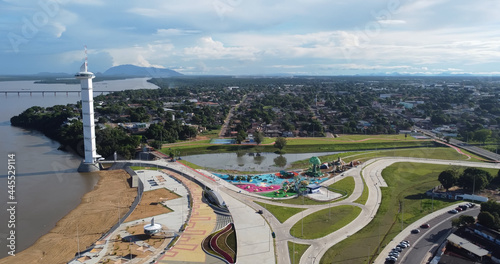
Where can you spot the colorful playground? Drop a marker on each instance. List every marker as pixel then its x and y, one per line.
pixel 286 183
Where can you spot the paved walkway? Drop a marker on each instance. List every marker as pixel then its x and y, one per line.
pixel 200 225
pixel 252 233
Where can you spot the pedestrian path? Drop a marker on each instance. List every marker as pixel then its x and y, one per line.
pixel 200 225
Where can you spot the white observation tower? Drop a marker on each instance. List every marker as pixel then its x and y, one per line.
pixel 90 162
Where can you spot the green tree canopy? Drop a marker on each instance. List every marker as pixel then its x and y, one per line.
pixel 482 135
pixel 258 137
pixel 280 143
pixel 487 219
pixel 240 137
pixel 473 179
pixel 448 179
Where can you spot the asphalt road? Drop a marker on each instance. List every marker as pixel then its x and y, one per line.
pixel 428 240
pixel 457 143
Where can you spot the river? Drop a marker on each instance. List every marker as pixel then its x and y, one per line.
pixel 47 185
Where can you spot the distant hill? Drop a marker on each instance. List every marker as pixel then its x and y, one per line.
pixel 136 71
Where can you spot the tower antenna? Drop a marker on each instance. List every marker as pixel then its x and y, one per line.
pixel 86 59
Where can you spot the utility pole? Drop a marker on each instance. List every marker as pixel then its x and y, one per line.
pixel 433 200
pixel 78 240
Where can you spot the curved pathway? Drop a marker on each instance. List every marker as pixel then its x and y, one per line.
pixel 254 234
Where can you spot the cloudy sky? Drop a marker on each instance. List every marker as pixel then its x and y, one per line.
pixel 237 37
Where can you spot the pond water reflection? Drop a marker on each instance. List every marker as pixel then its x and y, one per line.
pixel 263 162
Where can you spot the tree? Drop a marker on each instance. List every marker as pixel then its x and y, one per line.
pixel 448 179
pixel 258 137
pixel 490 206
pixel 487 219
pixel 473 179
pixel 240 137
pixel 156 144
pixel 280 143
pixel 466 220
pixel 482 135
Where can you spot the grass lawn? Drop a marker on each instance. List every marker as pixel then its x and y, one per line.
pixel 281 213
pixel 324 222
pixel 300 145
pixel 281 194
pixel 345 184
pixel 364 195
pixel 407 183
pixel 210 133
pixel 299 251
pixel 136 168
pixel 303 200
pixel 189 164
pixel 430 153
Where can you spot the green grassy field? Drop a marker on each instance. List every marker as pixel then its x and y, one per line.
pixel 299 251
pixel 407 184
pixel 302 200
pixel 364 195
pixel 190 164
pixel 281 194
pixel 210 133
pixel 429 153
pixel 346 185
pixel 281 213
pixel 301 145
pixel 324 222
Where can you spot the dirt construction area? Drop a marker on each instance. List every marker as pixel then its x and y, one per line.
pixel 111 196
pixel 150 204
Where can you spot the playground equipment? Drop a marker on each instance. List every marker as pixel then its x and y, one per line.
pixel 314 171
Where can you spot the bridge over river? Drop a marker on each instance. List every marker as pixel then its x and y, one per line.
pixel 55 92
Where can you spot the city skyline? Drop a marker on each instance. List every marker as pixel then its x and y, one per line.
pixel 237 37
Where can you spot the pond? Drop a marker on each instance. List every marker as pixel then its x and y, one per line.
pixel 262 162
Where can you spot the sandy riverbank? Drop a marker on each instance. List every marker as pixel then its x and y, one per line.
pixel 96 214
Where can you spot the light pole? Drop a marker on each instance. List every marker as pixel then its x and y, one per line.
pixel 302 223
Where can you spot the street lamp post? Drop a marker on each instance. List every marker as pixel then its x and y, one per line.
pixel 302 223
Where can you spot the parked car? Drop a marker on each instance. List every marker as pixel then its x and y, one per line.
pixel 415 231
pixel 425 226
pixel 403 245
pixel 453 211
pixel 458 209
pixel 398 249
pixel 405 242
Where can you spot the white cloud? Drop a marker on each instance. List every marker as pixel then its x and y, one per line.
pixel 145 56
pixel 175 32
pixel 391 22
pixel 211 49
